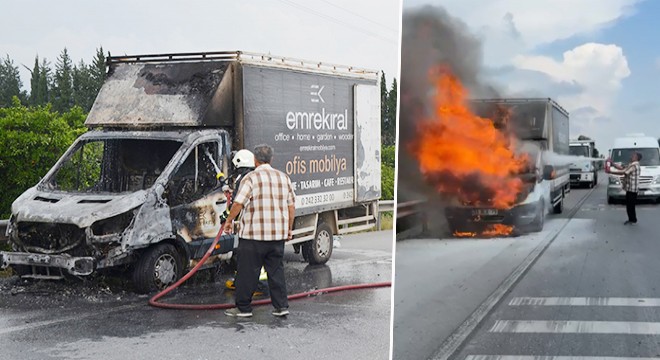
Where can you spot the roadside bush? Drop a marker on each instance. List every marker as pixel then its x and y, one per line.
pixel 387 173
pixel 31 141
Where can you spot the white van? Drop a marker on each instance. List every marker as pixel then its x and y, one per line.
pixel 649 180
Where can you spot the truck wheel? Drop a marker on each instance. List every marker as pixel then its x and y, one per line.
pixel 157 268
pixel 540 220
pixel 559 208
pixel 319 250
pixel 610 200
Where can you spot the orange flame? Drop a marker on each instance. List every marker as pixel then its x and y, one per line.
pixel 498 230
pixel 463 155
pixel 490 231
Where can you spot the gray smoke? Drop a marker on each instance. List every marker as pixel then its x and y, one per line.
pixel 431 37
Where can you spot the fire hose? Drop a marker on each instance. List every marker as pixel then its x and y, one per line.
pixel 154 300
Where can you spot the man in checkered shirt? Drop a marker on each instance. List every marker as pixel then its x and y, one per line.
pixel 268 202
pixel 630 183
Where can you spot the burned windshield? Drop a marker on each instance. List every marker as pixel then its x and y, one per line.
pixel 113 165
pixel 650 156
pixel 579 151
pixel 525 119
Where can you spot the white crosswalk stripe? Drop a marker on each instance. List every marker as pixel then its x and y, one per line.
pixel 579 328
pixel 517 357
pixel 584 301
pixel 576 327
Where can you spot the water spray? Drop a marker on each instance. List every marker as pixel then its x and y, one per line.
pixel 215 165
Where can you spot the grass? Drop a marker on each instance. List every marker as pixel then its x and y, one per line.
pixel 386 221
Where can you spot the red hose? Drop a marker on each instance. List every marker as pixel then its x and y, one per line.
pixel 154 300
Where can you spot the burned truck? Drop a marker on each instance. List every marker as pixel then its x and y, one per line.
pixel 140 191
pixel 541 129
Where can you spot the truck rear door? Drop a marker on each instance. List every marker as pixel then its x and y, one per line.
pixel 367 143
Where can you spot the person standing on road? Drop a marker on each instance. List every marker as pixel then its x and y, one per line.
pixel 267 196
pixel 630 183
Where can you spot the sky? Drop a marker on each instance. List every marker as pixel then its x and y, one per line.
pixel 363 34
pixel 600 59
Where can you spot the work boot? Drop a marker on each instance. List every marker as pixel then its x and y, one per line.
pixel 262 286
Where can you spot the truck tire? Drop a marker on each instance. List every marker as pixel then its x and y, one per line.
pixel 610 200
pixel 540 221
pixel 559 208
pixel 158 267
pixel 319 250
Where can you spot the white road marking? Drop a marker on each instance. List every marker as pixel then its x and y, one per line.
pixel 518 357
pixel 584 301
pixel 576 327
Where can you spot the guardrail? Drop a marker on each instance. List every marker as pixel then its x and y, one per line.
pixel 411 221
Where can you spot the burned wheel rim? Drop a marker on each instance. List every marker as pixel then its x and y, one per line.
pixel 165 270
pixel 323 243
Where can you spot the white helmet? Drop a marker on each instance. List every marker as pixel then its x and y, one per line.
pixel 243 159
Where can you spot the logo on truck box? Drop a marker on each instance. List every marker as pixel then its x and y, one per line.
pixel 316 93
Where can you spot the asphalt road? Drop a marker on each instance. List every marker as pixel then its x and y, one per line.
pixel 594 293
pixel 441 283
pixel 47 320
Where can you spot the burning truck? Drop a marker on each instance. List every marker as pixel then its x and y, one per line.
pixel 491 159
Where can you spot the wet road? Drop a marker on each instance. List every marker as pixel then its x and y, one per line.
pixel 91 321
pixel 440 284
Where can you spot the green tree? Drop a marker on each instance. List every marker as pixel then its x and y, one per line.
pixel 63 97
pixel 392 105
pixel 84 90
pixel 32 139
pixel 39 83
pixel 98 70
pixel 10 83
pixel 46 80
pixel 383 106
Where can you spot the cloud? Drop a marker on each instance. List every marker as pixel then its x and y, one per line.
pixel 513 26
pixel 598 68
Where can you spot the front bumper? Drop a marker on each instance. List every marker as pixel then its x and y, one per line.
pixel 581 177
pixel 472 218
pixel 645 192
pixel 80 266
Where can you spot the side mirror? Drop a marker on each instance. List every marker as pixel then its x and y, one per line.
pixel 548 172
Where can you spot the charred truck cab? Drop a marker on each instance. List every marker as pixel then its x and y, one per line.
pixel 541 127
pixel 140 188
